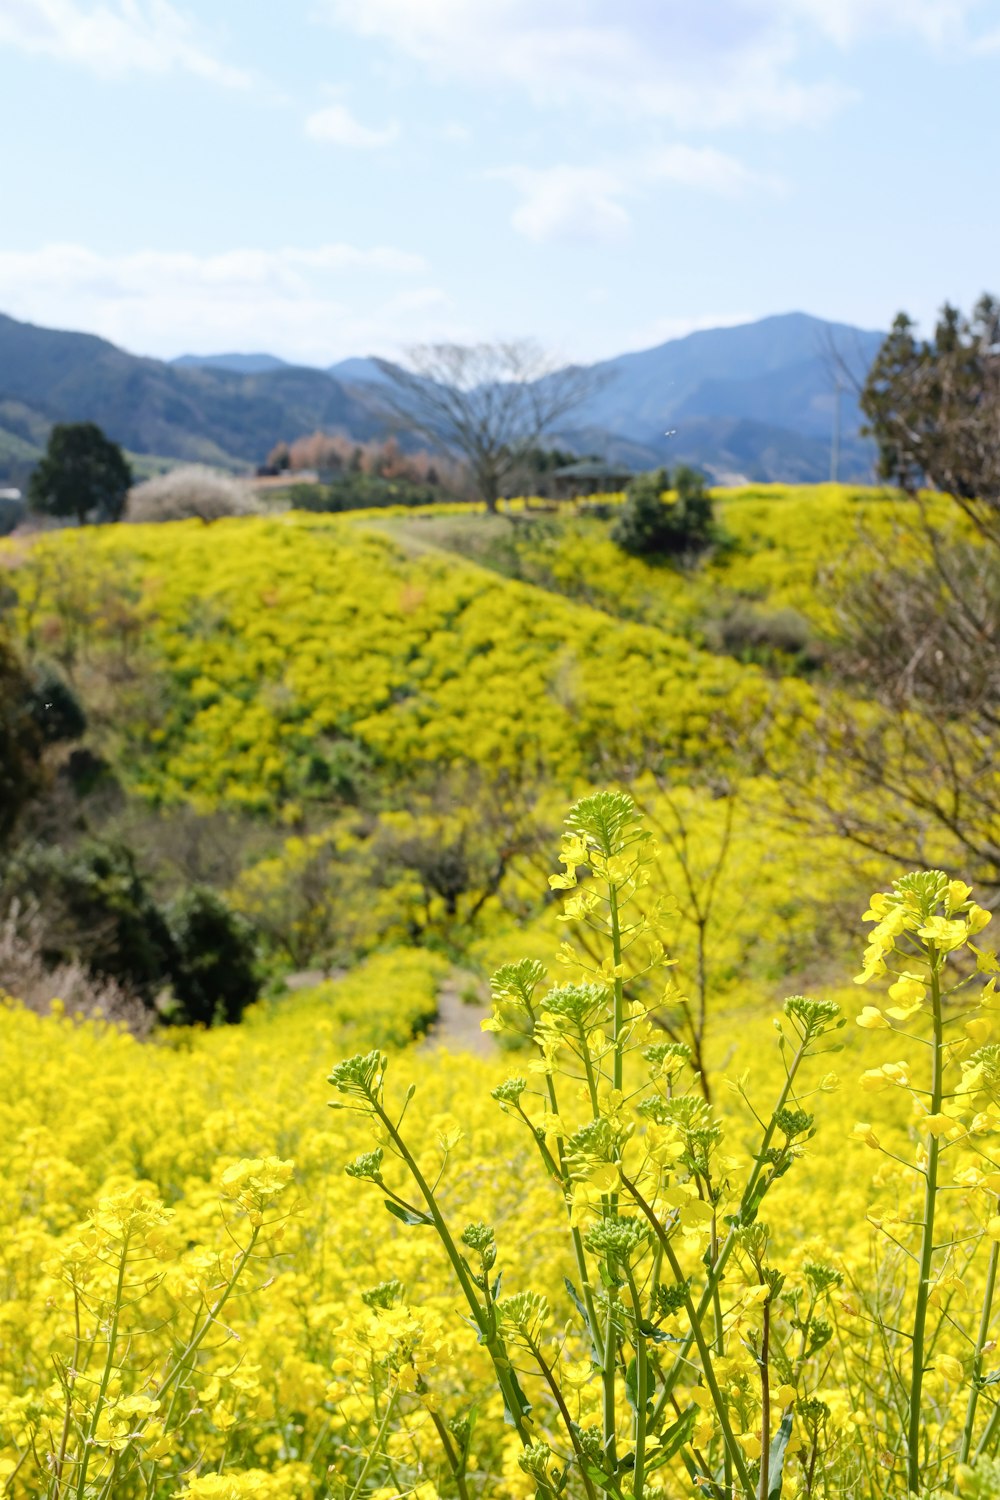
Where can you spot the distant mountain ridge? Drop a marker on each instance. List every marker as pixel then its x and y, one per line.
pixel 756 401
pixel 241 364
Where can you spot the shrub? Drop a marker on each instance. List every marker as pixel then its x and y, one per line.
pixel 193 491
pixel 215 978
pixel 652 524
pixel 21 772
pixel 361 492
pixel 764 635
pixel 56 709
pixel 98 911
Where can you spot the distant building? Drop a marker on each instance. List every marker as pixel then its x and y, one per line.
pixel 589 477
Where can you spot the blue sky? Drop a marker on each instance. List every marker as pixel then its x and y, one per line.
pixel 334 177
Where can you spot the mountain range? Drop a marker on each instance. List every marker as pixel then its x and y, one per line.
pixel 756 401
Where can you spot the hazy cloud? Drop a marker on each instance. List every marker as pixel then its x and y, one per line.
pixel 589 203
pixel 719 63
pixel 118 36
pixel 337 125
pixel 562 202
pixel 308 304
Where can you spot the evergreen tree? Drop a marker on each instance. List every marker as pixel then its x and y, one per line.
pixel 82 473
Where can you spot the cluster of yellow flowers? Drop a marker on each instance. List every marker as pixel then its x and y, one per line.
pixel 197 1301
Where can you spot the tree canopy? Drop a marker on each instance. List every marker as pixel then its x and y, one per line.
pixel 82 473
pixel 933 407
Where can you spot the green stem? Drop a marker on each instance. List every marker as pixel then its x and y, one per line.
pixel 376 1447
pixel 559 1399
pixel 581 1259
pixel 927 1243
pixel 720 1342
pixel 641 1390
pixel 454 1463
pixel 977 1359
pixel 557 1169
pixel 708 1369
pixel 485 1322
pixel 88 1444
pixel 616 950
pixel 608 1378
pixel 729 1243
pixel 764 1480
pixel 989 1434
pixel 195 1343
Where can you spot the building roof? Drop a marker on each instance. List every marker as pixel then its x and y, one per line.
pixel 590 469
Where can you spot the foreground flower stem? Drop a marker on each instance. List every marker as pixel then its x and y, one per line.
pixel 927 1244
pixel 708 1368
pixel 376 1447
pixel 977 1359
pixel 88 1447
pixel 764 1481
pixel 484 1321
pixel 616 950
pixel 641 1388
pixel 729 1243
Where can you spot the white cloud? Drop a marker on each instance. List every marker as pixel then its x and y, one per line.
pixel 311 305
pixel 704 168
pixel 715 63
pixel 847 21
pixel 580 203
pixel 570 203
pixel 114 37
pixel 337 125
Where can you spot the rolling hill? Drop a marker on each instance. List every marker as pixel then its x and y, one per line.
pixel 199 414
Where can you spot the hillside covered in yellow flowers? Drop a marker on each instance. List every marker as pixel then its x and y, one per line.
pixel 365 733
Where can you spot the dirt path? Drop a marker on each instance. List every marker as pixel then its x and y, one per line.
pixel 457 1026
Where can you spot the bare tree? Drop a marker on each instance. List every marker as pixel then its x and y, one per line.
pixel 491 402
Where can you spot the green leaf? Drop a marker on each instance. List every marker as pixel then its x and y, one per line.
pixel 675 1436
pixel 404 1214
pixel 778 1445
pixel 632 1384
pixel 510 1416
pixel 577 1300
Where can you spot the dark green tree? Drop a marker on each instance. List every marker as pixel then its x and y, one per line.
pixel 97 908
pixel 21 771
pixel 933 407
pixel 650 524
pixel 216 976
pixel 82 473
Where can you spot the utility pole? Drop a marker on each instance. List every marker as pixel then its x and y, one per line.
pixel 835 443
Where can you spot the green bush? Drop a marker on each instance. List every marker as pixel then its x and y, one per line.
pixel 97 910
pixel 196 958
pixel 55 708
pixel 361 492
pixel 215 977
pixel 653 523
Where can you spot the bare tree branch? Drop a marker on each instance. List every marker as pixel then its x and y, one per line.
pixel 490 402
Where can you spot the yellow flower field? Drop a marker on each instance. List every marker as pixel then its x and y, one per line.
pixel 683 1230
